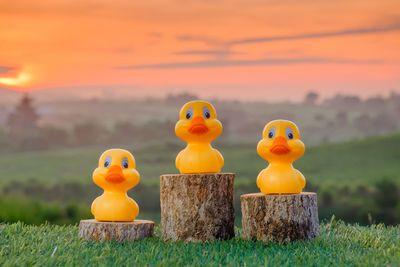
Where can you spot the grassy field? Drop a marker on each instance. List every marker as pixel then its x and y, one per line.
pixel 349 163
pixel 339 244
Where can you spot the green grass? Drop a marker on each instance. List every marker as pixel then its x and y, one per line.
pixel 339 244
pixel 349 163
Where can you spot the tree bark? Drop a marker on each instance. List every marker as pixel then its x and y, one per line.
pixel 279 218
pixel 197 207
pixel 118 231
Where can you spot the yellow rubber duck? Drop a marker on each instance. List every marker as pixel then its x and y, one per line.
pixel 280 146
pixel 116 174
pixel 198 126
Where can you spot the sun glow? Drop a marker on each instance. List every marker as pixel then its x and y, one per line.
pixel 22 79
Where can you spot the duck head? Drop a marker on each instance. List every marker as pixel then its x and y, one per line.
pixel 198 122
pixel 281 142
pixel 116 171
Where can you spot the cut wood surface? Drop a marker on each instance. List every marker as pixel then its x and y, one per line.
pixel 197 207
pixel 279 218
pixel 118 231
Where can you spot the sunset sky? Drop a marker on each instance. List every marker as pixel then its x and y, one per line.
pixel 245 49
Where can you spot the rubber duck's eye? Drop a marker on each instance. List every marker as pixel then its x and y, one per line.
pixel 189 113
pixel 271 132
pixel 289 133
pixel 206 113
pixel 107 161
pixel 125 163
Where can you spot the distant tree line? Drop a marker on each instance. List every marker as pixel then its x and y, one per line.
pixel 378 203
pixel 365 205
pixel 23 133
pixel 341 116
pixel 85 134
pixel 353 102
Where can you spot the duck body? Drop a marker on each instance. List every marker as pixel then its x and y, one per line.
pixel 115 207
pixel 276 179
pixel 198 126
pixel 199 158
pixel 116 174
pixel 280 146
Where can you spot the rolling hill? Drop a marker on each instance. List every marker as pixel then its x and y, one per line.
pixel 356 162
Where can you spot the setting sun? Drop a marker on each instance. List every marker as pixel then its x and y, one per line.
pixel 22 79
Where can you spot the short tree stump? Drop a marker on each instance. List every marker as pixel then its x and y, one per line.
pixel 279 218
pixel 197 207
pixel 118 231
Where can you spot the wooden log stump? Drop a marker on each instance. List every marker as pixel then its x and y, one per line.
pixel 279 218
pixel 118 231
pixel 197 207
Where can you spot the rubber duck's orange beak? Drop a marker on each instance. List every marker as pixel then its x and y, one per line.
pixel 114 175
pixel 198 126
pixel 280 146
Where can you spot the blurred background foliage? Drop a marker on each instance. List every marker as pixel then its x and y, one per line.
pixel 48 151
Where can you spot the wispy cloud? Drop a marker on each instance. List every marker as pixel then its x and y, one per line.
pixel 256 62
pixel 345 32
pixel 395 26
pixel 214 52
pixel 211 41
pixel 222 50
pixel 6 69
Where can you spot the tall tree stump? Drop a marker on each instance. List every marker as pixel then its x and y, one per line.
pixel 279 218
pixel 197 207
pixel 118 231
